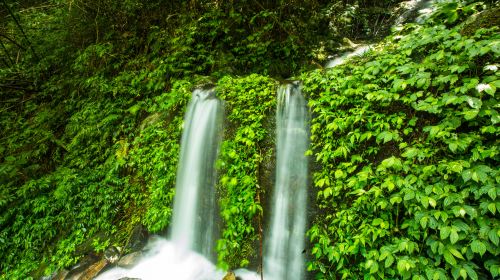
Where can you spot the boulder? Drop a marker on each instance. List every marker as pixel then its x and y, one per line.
pixel 485 19
pixel 76 271
pixel 61 275
pixel 129 260
pixel 229 276
pixel 93 270
pixel 112 254
pixel 137 240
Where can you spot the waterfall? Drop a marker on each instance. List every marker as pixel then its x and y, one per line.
pixel 195 209
pixel 190 253
pixel 359 51
pixel 284 258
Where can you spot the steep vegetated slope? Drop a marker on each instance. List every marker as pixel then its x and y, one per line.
pixel 92 96
pixel 407 140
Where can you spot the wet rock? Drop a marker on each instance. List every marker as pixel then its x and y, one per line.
pixel 137 239
pixel 112 254
pixel 93 270
pixel 229 276
pixel 129 260
pixel 347 42
pixel 61 275
pixel 408 11
pixel 485 19
pixel 150 120
pixel 76 270
pixel 50 277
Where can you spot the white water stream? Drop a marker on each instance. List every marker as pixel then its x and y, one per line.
pixel 189 253
pixel 195 207
pixel 284 257
pixel 357 52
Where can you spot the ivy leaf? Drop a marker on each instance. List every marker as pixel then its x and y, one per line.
pixel 444 233
pixel 453 236
pixel 327 192
pixel 423 221
pixel 455 253
pixel 395 199
pixel 339 174
pixel 403 266
pixel 470 272
pixel 432 202
pixel 386 136
pixel 470 114
pixel 492 207
pixel 466 175
pixel 449 258
pixel 474 102
pixel 389 261
pixel 478 247
pixel 492 234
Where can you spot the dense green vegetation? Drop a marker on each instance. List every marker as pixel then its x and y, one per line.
pixel 407 138
pixel 249 101
pixel 92 97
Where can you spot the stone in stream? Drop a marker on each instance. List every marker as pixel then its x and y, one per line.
pixel 76 271
pixel 229 276
pixel 129 260
pixel 93 270
pixel 112 254
pixel 61 275
pixel 137 240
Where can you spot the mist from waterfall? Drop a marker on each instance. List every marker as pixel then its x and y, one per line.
pixel 284 257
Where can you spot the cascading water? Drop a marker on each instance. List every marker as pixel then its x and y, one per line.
pixel 419 9
pixel 285 244
pixel 357 52
pixel 193 225
pixel 187 256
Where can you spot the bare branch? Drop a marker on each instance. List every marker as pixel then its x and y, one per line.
pixel 20 28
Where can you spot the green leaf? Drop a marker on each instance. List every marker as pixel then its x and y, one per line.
pixel 455 253
pixel 449 258
pixel 453 236
pixel 470 114
pixel 389 261
pixel 492 207
pixel 432 202
pixel 327 192
pixel 470 272
pixel 467 175
pixel 423 221
pixel 339 174
pixel 444 233
pixel 478 247
pixel 474 102
pixel 492 234
pixel 395 199
pixel 403 266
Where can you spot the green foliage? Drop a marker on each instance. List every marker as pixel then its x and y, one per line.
pixel 90 166
pixel 154 156
pixel 92 95
pixel 248 101
pixel 407 140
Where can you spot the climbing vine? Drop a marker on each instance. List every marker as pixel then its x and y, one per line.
pixel 407 137
pixel 249 101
